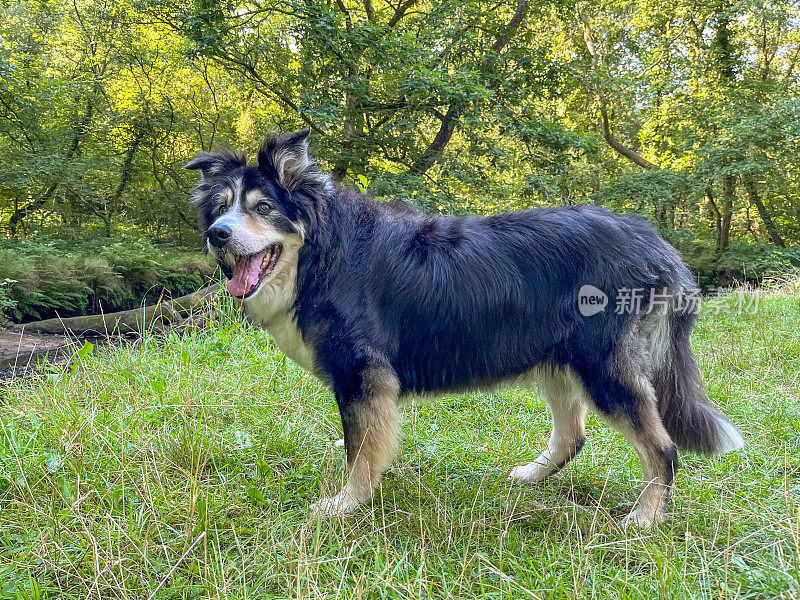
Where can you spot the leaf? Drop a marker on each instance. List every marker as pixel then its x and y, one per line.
pixel 52 461
pixel 202 514
pixel 255 495
pixel 158 384
pixel 85 350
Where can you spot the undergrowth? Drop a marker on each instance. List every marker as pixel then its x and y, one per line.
pixel 49 277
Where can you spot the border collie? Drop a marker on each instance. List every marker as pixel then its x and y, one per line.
pixel 384 303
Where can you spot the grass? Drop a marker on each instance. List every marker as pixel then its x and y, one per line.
pixel 184 468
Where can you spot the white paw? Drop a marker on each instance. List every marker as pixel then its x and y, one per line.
pixel 642 519
pixel 340 504
pixel 339 443
pixel 530 473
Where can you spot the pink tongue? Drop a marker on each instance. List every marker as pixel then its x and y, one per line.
pixel 245 274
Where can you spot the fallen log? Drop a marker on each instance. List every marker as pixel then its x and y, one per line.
pixel 190 302
pixel 164 314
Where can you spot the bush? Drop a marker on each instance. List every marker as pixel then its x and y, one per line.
pixel 753 262
pixel 46 278
pixel 742 262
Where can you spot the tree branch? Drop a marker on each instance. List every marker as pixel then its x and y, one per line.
pixel 605 128
pixel 435 148
pixel 370 10
pixel 449 120
pixel 400 12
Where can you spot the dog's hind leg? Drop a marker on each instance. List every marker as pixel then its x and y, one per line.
pixel 566 397
pixel 371 423
pixel 625 399
pixel 659 458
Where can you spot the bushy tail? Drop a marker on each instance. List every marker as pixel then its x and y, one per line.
pixel 690 421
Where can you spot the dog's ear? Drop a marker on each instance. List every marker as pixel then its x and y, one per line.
pixel 285 159
pixel 211 164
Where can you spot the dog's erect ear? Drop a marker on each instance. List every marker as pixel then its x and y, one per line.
pixel 215 163
pixel 210 165
pixel 285 158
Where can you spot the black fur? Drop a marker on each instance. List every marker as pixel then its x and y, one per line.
pixel 578 446
pixel 457 302
pixel 690 422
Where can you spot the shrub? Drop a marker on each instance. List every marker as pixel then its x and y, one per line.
pixel 753 262
pixel 44 278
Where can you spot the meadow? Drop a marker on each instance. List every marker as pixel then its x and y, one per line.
pixel 184 467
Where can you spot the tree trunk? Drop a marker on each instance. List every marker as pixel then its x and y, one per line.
pixel 723 52
pixel 126 321
pixel 353 118
pixel 728 197
pixel 755 200
pixel 124 178
pixel 717 217
pixel 660 211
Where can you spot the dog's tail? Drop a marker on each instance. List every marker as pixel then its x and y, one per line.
pixel 690 421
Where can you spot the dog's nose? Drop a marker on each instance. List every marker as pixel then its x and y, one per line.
pixel 218 235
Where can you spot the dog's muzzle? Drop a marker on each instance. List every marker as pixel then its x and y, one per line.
pixel 219 235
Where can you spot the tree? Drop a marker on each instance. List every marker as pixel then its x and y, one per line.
pixel 686 114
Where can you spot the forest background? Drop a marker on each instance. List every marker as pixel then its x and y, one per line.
pixel 683 112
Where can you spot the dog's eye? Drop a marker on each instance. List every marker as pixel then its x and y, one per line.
pixel 263 208
pixel 222 208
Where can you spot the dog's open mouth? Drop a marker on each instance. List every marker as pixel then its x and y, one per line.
pixel 252 270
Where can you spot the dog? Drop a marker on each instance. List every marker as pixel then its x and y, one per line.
pixel 384 303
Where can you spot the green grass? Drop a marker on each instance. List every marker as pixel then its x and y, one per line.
pixel 184 468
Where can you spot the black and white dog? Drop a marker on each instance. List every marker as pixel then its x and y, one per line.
pixel 384 303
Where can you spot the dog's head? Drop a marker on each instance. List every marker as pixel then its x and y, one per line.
pixel 255 218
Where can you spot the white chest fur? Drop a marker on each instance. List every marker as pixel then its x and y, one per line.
pixel 272 307
pixel 284 330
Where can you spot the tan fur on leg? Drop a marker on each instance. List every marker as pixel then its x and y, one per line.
pixel 659 459
pixel 566 397
pixel 658 456
pixel 372 440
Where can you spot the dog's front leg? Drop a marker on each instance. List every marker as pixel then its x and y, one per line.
pixel 371 423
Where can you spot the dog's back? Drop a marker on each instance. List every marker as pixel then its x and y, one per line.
pixel 454 302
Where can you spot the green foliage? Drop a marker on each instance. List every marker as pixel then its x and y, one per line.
pixel 656 192
pixel 754 262
pixel 45 278
pixel 458 107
